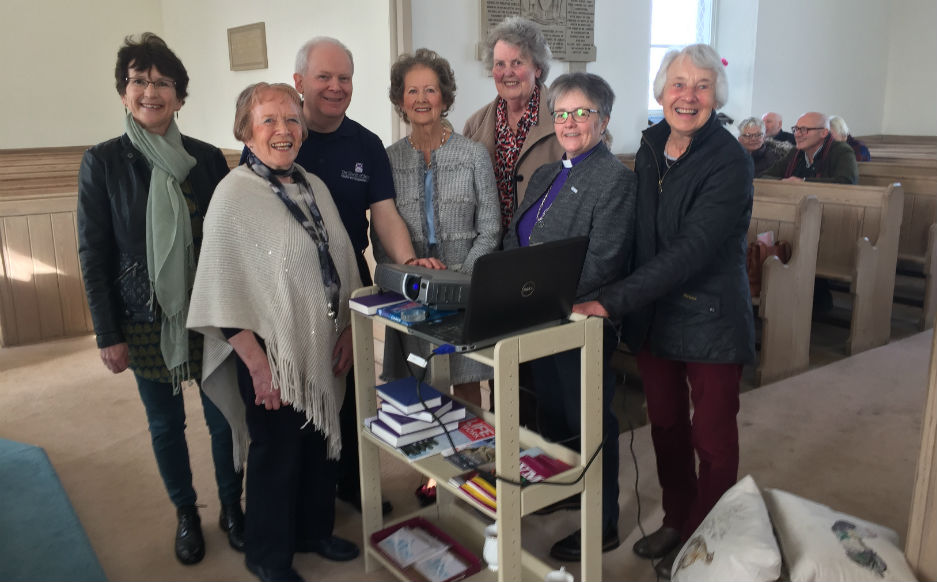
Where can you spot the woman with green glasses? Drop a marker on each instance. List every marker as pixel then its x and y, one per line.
pixel 588 192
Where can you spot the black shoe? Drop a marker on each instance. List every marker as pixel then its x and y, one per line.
pixel 354 499
pixel 657 544
pixel 664 567
pixel 274 574
pixel 571 502
pixel 569 549
pixel 232 522
pixel 331 548
pixel 190 545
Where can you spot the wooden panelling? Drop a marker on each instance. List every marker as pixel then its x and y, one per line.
pixel 43 295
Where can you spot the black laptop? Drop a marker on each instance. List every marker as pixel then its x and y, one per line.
pixel 512 292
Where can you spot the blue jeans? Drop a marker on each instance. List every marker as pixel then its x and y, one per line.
pixel 166 415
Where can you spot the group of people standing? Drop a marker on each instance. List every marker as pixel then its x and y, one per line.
pixel 248 294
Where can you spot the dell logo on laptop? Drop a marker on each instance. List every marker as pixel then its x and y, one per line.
pixel 528 288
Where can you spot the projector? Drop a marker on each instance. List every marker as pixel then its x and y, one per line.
pixel 440 289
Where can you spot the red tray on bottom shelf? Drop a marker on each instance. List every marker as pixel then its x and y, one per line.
pixel 472 563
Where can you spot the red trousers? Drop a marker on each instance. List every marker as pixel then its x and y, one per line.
pixel 712 434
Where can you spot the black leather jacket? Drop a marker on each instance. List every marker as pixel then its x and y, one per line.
pixel 688 297
pixel 113 186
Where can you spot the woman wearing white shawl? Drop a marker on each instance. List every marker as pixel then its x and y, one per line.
pixel 271 296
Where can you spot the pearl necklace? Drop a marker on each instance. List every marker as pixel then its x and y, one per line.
pixel 442 140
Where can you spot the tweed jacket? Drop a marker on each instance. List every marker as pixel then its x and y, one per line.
pixel 597 201
pixel 467 212
pixel 540 147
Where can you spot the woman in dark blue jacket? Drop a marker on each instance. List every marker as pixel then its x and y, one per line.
pixel 686 305
pixel 141 201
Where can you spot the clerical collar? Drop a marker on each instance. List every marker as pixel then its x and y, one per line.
pixel 570 163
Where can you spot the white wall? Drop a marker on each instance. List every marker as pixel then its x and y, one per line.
pixel 875 67
pixel 197 31
pixel 58 68
pixel 735 39
pixel 911 90
pixel 622 35
pixel 828 56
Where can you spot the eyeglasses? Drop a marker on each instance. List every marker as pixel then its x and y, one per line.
pixel 578 115
pixel 797 130
pixel 751 136
pixel 141 83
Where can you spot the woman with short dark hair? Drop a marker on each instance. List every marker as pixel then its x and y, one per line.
pixel 141 201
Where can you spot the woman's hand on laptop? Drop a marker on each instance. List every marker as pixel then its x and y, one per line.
pixel 590 308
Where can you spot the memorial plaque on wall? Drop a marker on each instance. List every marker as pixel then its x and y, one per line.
pixel 568 25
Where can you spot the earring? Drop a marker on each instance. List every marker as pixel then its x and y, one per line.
pixel 177 115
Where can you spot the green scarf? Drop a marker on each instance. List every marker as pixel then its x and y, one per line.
pixel 170 257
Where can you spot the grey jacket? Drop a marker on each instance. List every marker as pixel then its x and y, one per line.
pixel 467 212
pixel 597 201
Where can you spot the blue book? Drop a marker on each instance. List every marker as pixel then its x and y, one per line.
pixel 412 312
pixel 424 415
pixel 369 304
pixel 402 395
pixel 403 424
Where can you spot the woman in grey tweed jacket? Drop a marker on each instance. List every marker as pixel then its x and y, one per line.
pixel 587 193
pixel 446 193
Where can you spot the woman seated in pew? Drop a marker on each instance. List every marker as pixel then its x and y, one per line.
pixel 840 132
pixel 764 152
pixel 271 296
pixel 446 195
pixel 141 200
pixel 587 192
pixel 686 305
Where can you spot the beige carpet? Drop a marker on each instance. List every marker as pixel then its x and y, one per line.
pixel 847 435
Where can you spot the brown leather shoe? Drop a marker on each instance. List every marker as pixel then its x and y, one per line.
pixel 657 544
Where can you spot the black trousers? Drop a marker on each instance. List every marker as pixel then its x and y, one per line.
pixel 556 383
pixel 290 481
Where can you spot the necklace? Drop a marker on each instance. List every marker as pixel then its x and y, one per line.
pixel 539 216
pixel 442 140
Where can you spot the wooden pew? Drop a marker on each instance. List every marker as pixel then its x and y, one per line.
pixel 902 148
pixel 917 246
pixel 785 305
pixel 858 244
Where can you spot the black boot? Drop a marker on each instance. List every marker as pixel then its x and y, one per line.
pixel 190 546
pixel 232 522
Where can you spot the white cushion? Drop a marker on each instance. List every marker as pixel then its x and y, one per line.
pixel 822 544
pixel 734 542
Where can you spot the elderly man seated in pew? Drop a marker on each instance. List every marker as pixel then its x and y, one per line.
pixel 818 157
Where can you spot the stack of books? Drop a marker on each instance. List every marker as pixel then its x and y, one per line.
pixel 408 415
